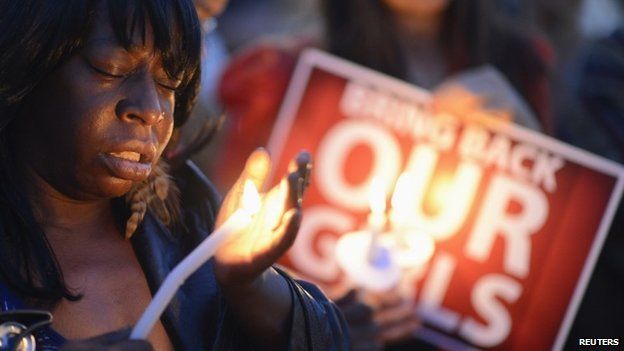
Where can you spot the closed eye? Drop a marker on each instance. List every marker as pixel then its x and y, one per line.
pixel 106 73
pixel 170 86
pixel 168 83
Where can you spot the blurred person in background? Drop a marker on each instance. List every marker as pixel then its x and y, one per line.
pixel 588 109
pixel 601 88
pixel 599 93
pixel 246 21
pixel 214 55
pixel 197 137
pixel 426 41
pixel 572 26
pixel 421 41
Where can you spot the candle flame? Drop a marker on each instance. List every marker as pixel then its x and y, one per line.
pixel 377 196
pixel 251 201
pixel 440 193
pixel 402 196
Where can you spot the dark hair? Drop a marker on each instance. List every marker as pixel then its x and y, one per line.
pixel 36 37
pixel 363 31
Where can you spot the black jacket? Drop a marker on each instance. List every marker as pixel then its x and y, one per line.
pixel 198 317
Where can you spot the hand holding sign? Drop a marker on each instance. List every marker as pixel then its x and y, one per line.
pixel 458 101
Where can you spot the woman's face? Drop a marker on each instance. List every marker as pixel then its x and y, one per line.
pixel 101 120
pixel 417 8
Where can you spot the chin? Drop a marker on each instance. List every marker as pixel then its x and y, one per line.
pixel 114 187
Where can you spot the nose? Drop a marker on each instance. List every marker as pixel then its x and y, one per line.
pixel 142 103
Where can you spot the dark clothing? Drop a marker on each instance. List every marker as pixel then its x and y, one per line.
pixel 593 119
pixel 601 86
pixel 198 317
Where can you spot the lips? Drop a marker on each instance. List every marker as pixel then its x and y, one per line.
pixel 131 161
pixel 127 155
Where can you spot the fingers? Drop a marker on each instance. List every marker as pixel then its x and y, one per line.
pixel 299 175
pixel 397 320
pixel 456 100
pixel 301 164
pixel 257 168
pixel 398 312
pixel 399 331
pixel 348 298
pixel 357 313
pixel 363 338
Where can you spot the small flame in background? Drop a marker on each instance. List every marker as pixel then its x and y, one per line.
pixel 440 194
pixel 402 197
pixel 414 246
pixel 251 201
pixel 377 196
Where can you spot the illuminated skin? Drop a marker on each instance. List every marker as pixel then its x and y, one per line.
pixel 420 18
pixel 209 8
pixel 243 265
pixel 90 130
pixel 417 8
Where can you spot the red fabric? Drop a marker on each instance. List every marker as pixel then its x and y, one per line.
pixel 251 90
pixel 538 90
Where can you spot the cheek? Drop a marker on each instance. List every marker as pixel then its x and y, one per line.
pixel 69 120
pixel 164 134
pixel 164 129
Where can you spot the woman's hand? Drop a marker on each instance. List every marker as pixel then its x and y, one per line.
pixel 395 316
pixel 458 101
pixel 273 230
pixel 378 319
pixel 359 316
pixel 115 341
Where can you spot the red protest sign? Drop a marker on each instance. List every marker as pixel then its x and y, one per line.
pixel 518 218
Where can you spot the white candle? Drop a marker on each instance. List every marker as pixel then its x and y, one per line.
pixel 377 217
pixel 240 219
pixel 352 250
pixel 413 246
pixel 366 262
pixel 403 206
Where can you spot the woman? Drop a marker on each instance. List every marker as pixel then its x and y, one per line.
pixel 90 94
pixel 425 41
